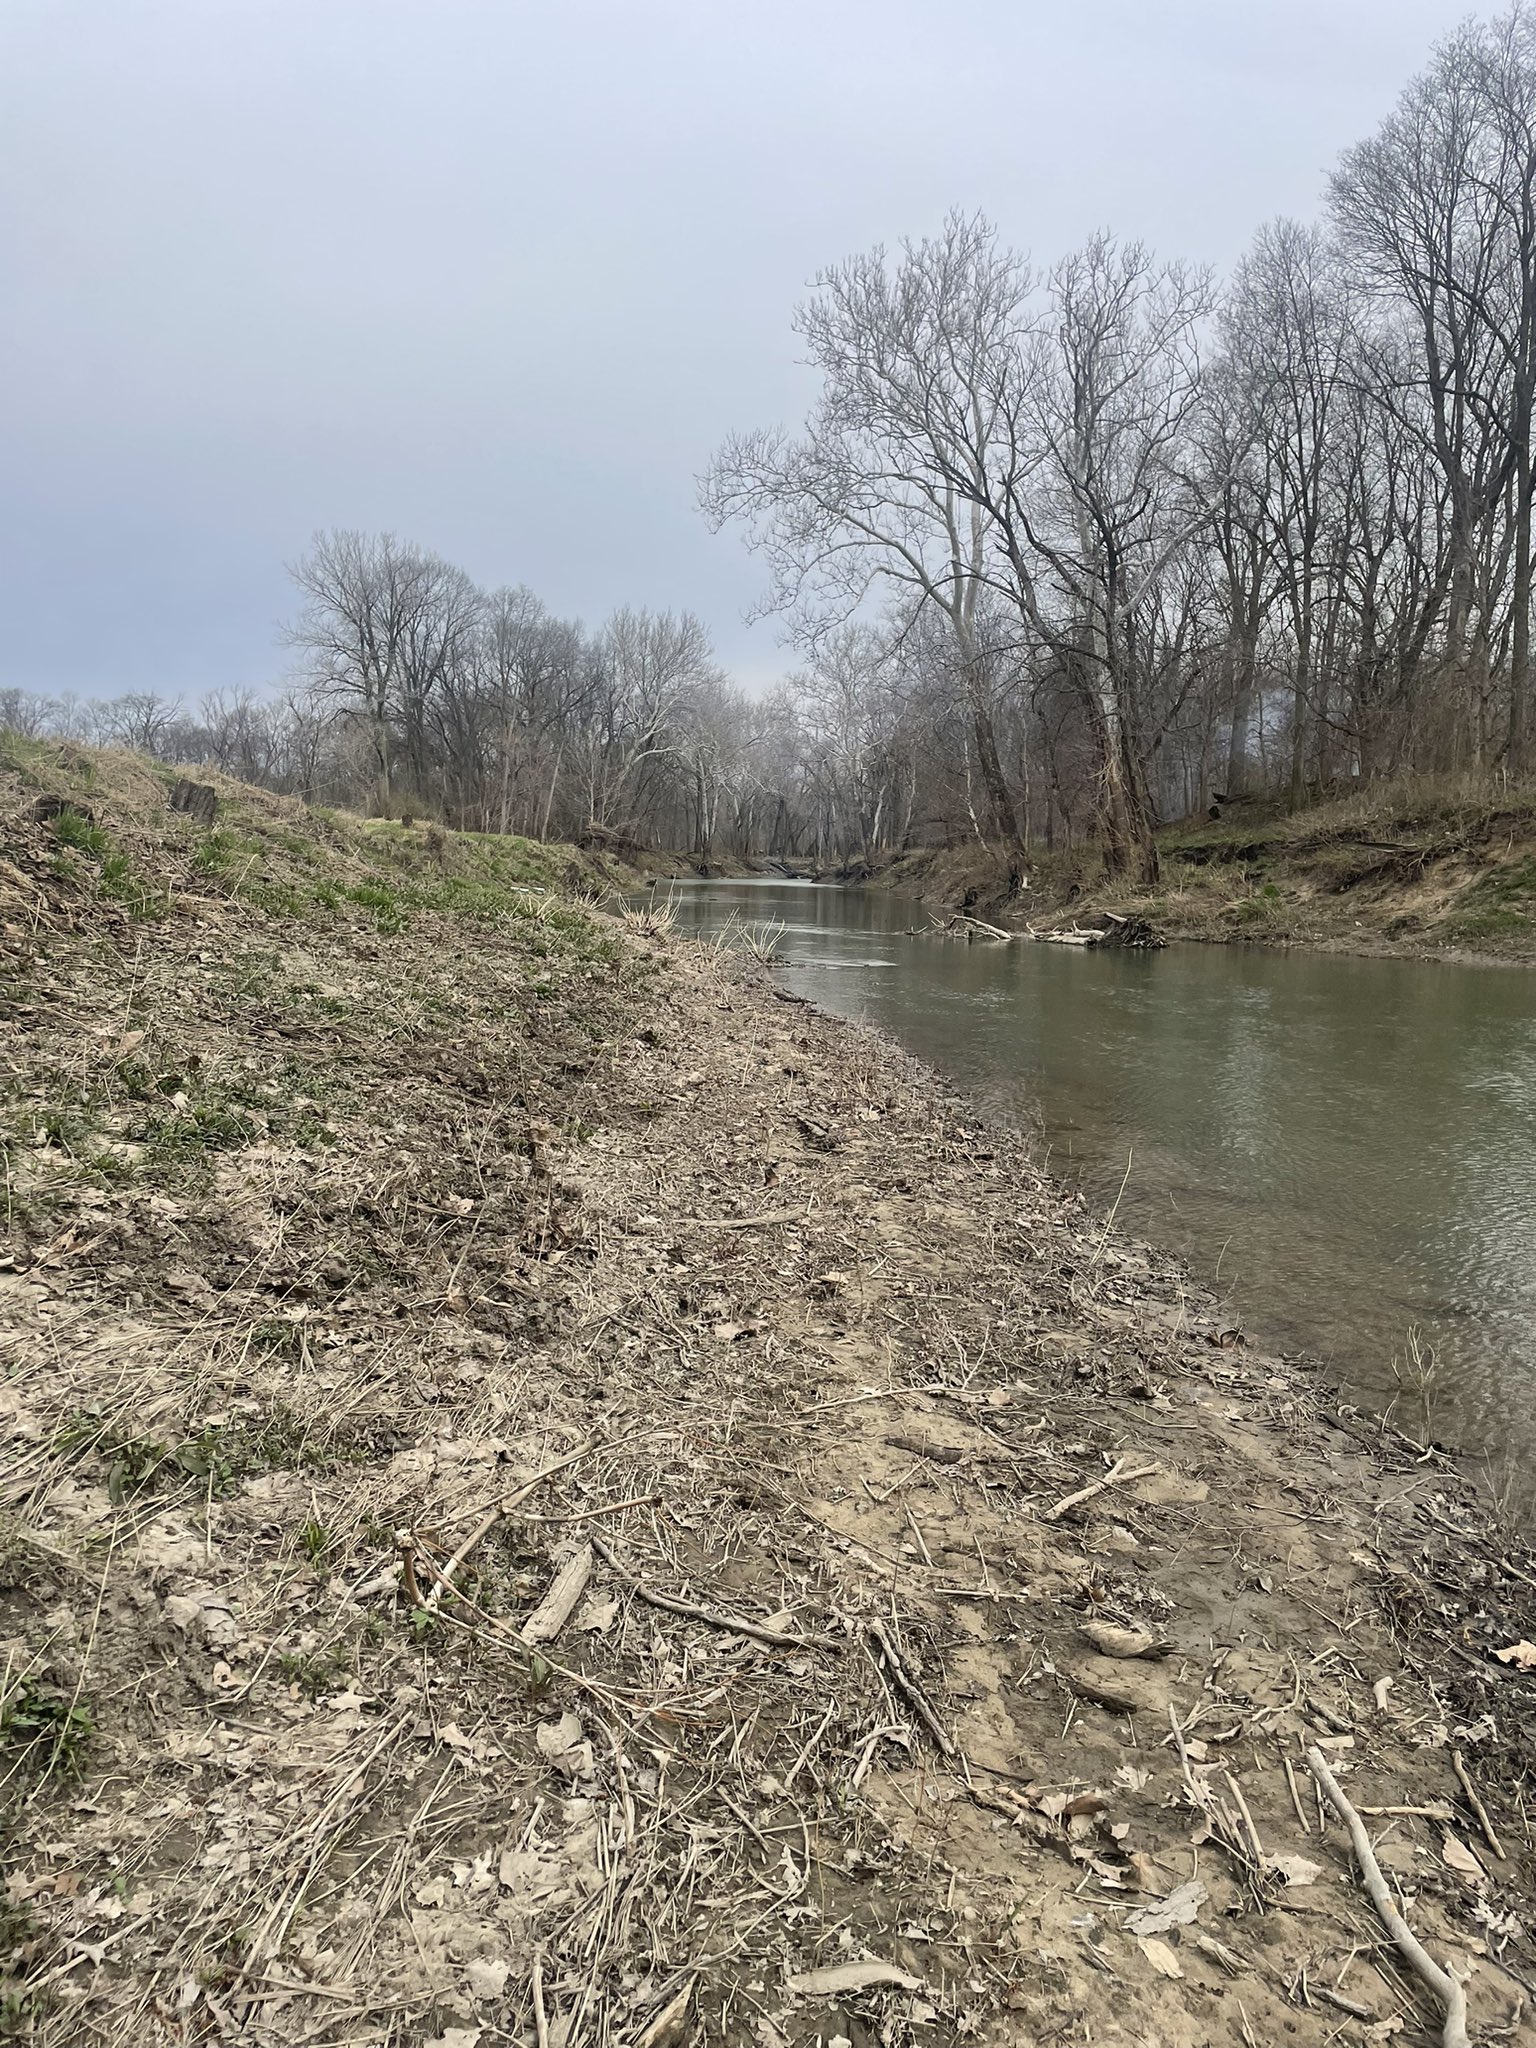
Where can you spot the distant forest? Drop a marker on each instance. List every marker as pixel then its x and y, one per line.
pixel 1062 552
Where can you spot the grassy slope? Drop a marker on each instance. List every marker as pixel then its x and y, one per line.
pixel 1419 868
pixel 120 845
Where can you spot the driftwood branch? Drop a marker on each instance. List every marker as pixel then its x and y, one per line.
pixel 1453 2000
pixel 1118 1475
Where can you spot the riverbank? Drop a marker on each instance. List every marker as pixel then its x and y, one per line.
pixel 948 1591
pixel 1424 871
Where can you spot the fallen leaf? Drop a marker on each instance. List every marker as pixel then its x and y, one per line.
pixel 597 1617
pixel 1458 1857
pixel 1177 1910
pixel 851 1977
pixel 456 2037
pixel 1296 1870
pixel 561 1742
pixel 1161 1957
pixel 487 1979
pixel 1522 1655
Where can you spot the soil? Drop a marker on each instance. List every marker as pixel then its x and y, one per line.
pixel 951 1592
pixel 1423 871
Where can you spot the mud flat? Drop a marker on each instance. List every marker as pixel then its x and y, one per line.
pixel 554 1495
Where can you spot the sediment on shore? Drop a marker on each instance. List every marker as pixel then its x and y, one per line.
pixel 554 1494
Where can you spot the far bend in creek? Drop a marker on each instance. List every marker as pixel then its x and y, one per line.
pixel 1345 1148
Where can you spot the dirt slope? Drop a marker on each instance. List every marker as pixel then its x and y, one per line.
pixel 536 1250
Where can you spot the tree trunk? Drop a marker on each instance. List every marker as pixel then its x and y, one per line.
pixel 381 760
pixel 1242 718
pixel 1520 628
pixel 1004 819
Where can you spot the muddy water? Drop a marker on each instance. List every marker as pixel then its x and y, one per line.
pixel 1345 1148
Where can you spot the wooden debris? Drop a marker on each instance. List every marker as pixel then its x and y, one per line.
pixel 941 1454
pixel 558 1604
pixel 1447 1990
pixel 1099 1695
pixel 907 1685
pixel 1119 1475
pixel 843 1977
pixel 763 1222
pixel 1476 1804
pixel 1112 1641
pixel 670 2026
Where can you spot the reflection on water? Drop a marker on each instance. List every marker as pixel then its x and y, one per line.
pixel 1346 1147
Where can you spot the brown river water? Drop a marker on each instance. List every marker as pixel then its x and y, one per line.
pixel 1345 1149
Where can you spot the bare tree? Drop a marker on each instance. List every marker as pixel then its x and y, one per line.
pixel 888 483
pixel 365 598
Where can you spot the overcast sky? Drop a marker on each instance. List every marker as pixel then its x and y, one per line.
pixel 498 276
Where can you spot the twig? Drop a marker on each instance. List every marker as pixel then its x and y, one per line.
pixel 1290 1781
pixel 506 1506
pixel 733 1624
pixel 1116 1476
pixel 1242 1804
pixel 1476 1804
pixel 1453 2001
pixel 872 1743
pixel 799 1762
pixel 745 1222
pixel 540 2017
pixel 910 1690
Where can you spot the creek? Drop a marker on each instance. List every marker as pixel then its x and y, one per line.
pixel 1345 1149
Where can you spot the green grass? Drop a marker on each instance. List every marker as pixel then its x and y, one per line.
pixel 117 877
pixel 217 1459
pixel 44 1731
pixel 294 863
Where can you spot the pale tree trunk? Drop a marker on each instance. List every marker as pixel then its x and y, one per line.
pixel 381 758
pixel 1520 630
pixel 1242 718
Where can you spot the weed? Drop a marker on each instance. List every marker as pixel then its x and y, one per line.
pixel 64 1129
pixel 653 919
pixel 1418 1374
pixel 278 1337
pixel 538 1677
pixel 73 828
pixel 45 1730
pixel 314 1539
pixel 314 1672
pixel 216 1459
pixel 23 1949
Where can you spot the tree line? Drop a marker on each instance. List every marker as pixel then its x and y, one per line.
pixel 1063 551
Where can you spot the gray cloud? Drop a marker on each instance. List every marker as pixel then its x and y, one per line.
pixel 498 276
